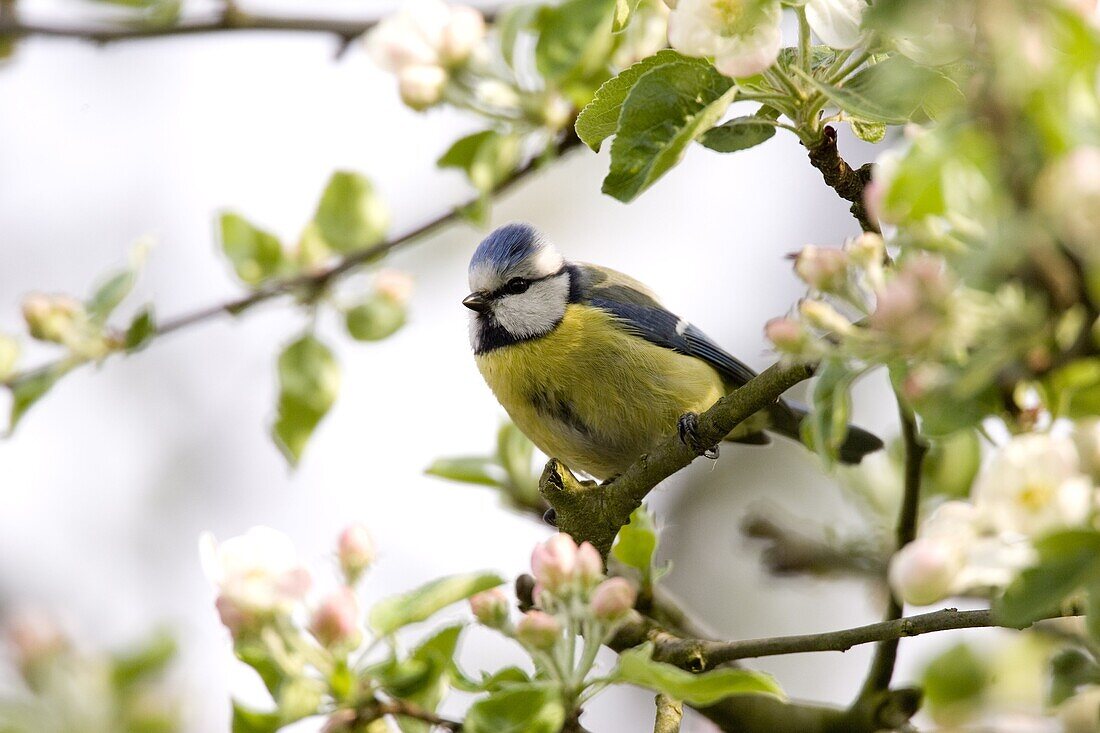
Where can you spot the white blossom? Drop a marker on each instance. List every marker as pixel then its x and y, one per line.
pixel 1033 485
pixel 836 22
pixel 256 573
pixel 421 86
pixel 743 36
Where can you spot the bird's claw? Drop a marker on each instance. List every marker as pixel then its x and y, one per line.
pixel 688 428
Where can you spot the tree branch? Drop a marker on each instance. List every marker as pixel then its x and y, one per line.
pixel 595 512
pixel 669 714
pixel 848 183
pixel 409 710
pixel 318 279
pixel 698 655
pixel 789 551
pixel 882 666
pixel 228 19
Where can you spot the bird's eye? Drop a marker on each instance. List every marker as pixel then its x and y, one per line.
pixel 517 285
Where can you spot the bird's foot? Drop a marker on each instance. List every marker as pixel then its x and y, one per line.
pixel 550 516
pixel 688 427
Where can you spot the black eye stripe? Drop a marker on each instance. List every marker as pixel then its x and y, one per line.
pixel 520 284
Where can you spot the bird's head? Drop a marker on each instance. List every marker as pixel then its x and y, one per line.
pixel 519 287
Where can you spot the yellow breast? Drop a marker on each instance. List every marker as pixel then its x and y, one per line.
pixel 592 395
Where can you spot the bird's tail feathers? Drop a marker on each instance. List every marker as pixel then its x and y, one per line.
pixel 786 419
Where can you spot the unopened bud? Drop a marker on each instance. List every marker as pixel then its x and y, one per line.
pixel 464 30
pixel 822 268
pixel 786 334
pixel 233 617
pixel 490 608
pixel 48 317
pixel 924 571
pixel 554 562
pixel 824 317
pixel 866 249
pixel 538 630
pixel 589 564
pixel 613 599
pixel 33 638
pixel 421 86
pixel 336 621
pixel 355 552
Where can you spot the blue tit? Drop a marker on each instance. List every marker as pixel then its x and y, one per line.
pixel 591 367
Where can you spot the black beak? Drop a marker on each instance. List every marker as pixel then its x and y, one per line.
pixel 476 302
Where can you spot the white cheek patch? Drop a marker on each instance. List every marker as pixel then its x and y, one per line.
pixel 546 262
pixel 536 311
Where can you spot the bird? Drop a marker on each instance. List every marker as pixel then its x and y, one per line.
pixel 592 368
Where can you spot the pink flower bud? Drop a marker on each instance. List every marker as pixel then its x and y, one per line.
pixel 786 334
pixel 866 249
pixel 822 268
pixel 612 599
pixel 355 551
pixel 336 620
pixel 554 562
pixel 538 630
pixel 924 571
pixel 589 564
pixel 490 608
pixel 394 284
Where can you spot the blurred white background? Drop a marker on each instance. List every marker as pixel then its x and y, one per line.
pixel 110 480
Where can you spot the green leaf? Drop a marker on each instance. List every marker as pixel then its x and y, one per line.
pixel 1075 388
pixel 600 117
pixel 637 667
pixel 1071 669
pixel 252 721
pixel 26 391
pixel 435 659
pixel 624 11
pixel 636 544
pixel 832 403
pixel 529 709
pixel 469 470
pixel 510 22
pixel 956 678
pixel 951 464
pixel 872 132
pixel 488 158
pixel 390 614
pixel 376 318
pixel 148 661
pixel 1092 611
pixel 574 38
pixel 740 133
pixel 109 294
pixel 1068 561
pixel 309 380
pixel 350 216
pixel 666 109
pixel 141 329
pixel 255 254
pixel 892 92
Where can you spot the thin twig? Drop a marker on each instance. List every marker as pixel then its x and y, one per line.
pixel 318 279
pixel 882 666
pixel 409 710
pixel 229 19
pixel 699 655
pixel 841 177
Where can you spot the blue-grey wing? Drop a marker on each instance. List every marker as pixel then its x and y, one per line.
pixel 640 312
